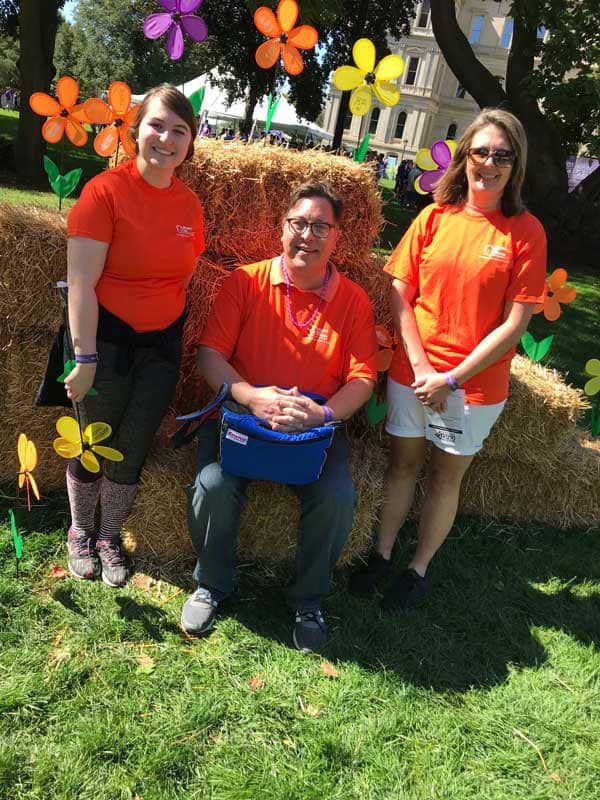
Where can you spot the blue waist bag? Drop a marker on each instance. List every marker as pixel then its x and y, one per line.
pixel 249 448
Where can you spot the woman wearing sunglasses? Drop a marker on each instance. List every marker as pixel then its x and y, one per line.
pixel 466 277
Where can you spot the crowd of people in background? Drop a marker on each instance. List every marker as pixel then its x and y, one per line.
pixel 10 99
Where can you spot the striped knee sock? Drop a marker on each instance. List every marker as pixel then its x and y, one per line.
pixel 82 501
pixel 116 500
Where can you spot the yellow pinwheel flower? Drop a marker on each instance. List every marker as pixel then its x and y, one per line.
pixel 73 443
pixel 28 459
pixel 592 368
pixel 366 78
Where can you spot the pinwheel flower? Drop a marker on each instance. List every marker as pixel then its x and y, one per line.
pixel 592 368
pixel 366 78
pixel 28 460
pixel 556 293
pixel 386 348
pixel 179 17
pixel 435 161
pixel 63 115
pixel 284 39
pixel 118 115
pixel 73 443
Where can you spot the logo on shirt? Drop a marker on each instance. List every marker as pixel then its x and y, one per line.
pixel 495 252
pixel 236 436
pixel 320 335
pixel 185 231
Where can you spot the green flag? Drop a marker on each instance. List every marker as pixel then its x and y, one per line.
pixel 272 103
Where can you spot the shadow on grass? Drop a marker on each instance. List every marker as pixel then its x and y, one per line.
pixel 492 585
pixel 153 620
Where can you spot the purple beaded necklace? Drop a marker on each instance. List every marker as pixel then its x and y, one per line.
pixel 288 298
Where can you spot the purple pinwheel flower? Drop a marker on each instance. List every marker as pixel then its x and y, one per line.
pixel 178 18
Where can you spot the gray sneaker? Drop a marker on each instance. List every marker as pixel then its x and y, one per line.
pixel 83 561
pixel 310 631
pixel 115 570
pixel 199 612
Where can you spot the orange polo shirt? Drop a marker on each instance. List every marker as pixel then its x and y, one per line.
pixel 250 326
pixel 465 267
pixel 154 236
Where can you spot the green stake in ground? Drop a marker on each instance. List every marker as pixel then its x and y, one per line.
pixel 361 151
pixel 17 538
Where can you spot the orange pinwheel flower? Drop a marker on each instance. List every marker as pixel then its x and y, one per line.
pixel 386 344
pixel 28 459
pixel 284 39
pixel 556 293
pixel 63 115
pixel 118 115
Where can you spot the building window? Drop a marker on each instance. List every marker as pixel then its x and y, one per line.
pixel 423 18
pixel 374 121
pixel 348 120
pixel 400 125
pixel 411 72
pixel 507 32
pixel 451 132
pixel 460 91
pixel 476 28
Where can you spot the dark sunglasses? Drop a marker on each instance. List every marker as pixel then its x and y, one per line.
pixel 501 158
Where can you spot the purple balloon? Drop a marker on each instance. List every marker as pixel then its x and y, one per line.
pixel 429 180
pixel 440 152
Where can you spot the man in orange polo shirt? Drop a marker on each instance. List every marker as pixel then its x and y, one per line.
pixel 277 329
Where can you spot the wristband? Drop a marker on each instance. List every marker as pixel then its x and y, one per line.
pixel 86 358
pixel 451 381
pixel 327 414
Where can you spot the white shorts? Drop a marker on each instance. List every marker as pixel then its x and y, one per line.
pixel 462 432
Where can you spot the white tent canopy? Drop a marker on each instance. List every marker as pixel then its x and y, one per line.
pixel 216 108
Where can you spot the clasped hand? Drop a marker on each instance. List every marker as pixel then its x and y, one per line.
pixel 286 410
pixel 79 381
pixel 432 390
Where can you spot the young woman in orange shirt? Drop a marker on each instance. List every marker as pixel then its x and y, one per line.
pixel 134 237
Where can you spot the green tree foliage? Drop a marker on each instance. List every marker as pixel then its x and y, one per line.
pixel 567 78
pixel 9 56
pixel 106 42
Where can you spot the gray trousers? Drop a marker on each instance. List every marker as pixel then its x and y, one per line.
pixel 215 503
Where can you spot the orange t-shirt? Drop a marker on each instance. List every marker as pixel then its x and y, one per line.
pixel 465 267
pixel 250 326
pixel 154 236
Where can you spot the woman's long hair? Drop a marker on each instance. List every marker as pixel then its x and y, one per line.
pixel 176 102
pixel 452 188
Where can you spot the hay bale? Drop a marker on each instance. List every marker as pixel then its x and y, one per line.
pixel 33 256
pixel 564 493
pixel 244 191
pixel 21 375
pixel 157 531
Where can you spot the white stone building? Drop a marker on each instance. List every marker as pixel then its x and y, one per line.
pixel 432 105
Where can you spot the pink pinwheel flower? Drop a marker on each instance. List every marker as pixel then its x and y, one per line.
pixel 179 18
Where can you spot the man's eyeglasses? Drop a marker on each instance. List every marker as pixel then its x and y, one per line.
pixel 320 230
pixel 501 158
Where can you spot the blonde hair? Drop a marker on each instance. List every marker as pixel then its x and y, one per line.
pixel 452 188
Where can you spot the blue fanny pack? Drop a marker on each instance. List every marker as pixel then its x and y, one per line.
pixel 249 448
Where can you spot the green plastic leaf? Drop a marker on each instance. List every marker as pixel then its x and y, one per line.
pixel 52 170
pixel 375 410
pixel 272 103
pixel 197 98
pixel 63 185
pixel 17 538
pixel 536 350
pixel 361 152
pixel 69 367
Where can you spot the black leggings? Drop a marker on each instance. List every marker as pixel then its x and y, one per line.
pixel 133 405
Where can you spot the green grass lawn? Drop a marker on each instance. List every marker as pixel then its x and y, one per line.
pixel 490 691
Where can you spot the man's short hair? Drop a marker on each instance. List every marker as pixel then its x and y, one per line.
pixel 317 189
